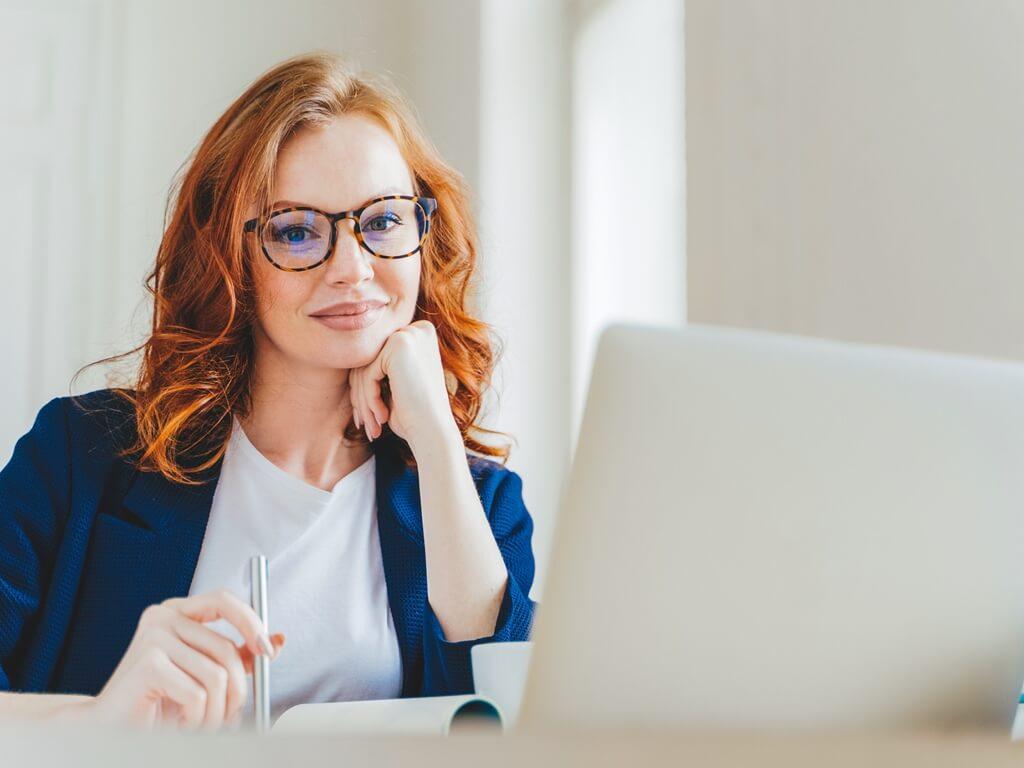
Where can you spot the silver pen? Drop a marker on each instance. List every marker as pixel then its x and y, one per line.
pixel 260 663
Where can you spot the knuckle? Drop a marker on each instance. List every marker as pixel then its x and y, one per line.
pixel 149 615
pixel 226 650
pixel 220 646
pixel 226 596
pixel 144 635
pixel 197 697
pixel 221 677
pixel 170 604
pixel 152 660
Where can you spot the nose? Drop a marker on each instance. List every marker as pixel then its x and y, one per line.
pixel 350 262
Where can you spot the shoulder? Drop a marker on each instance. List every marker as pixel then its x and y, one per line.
pixel 106 402
pixel 65 434
pixel 100 420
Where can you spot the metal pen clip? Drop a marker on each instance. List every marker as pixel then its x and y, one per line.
pixel 261 663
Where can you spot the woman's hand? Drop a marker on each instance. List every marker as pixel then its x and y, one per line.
pixel 420 407
pixel 179 672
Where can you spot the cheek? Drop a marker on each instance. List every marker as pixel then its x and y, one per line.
pixel 276 298
pixel 406 283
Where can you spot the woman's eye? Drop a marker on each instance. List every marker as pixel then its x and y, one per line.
pixel 379 223
pixel 296 235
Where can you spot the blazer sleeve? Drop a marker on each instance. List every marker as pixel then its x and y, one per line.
pixel 34 500
pixel 446 664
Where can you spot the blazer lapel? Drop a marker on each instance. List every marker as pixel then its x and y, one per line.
pixel 178 515
pixel 400 526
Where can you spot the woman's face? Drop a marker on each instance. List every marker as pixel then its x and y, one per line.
pixel 336 167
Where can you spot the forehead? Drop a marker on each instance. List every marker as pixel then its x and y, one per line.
pixel 340 165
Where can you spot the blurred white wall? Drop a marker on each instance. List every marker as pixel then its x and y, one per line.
pixel 583 184
pixel 580 205
pixel 57 164
pixel 524 223
pixel 628 173
pixel 855 169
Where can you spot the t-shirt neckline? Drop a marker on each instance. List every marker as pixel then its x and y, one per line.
pixel 301 486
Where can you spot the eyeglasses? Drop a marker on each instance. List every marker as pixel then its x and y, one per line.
pixel 297 239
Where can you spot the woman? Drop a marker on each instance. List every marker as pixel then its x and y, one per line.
pixel 267 417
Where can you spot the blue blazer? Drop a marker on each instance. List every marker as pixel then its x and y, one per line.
pixel 87 542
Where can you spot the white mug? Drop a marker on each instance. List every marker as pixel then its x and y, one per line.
pixel 499 672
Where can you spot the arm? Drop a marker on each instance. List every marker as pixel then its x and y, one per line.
pixel 57 707
pixel 34 502
pixel 466 575
pixel 479 567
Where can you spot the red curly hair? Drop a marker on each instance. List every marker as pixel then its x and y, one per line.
pixel 197 361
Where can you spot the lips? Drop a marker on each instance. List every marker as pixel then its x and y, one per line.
pixel 350 322
pixel 349 308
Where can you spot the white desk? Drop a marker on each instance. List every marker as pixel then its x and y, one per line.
pixel 41 745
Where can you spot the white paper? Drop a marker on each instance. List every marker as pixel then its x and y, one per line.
pixel 425 714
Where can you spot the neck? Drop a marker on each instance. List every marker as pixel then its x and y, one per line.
pixel 297 420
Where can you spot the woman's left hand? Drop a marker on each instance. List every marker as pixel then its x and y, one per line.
pixel 419 406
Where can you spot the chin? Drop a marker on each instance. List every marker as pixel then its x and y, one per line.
pixel 359 349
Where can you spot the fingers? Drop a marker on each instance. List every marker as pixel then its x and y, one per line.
pixel 372 427
pixel 177 669
pixel 377 404
pixel 202 695
pixel 246 655
pixel 355 393
pixel 352 384
pixel 222 604
pixel 173 683
pixel 213 678
pixel 366 421
pixel 369 410
pixel 222 652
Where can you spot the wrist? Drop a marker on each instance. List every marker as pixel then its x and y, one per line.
pixel 438 439
pixel 75 711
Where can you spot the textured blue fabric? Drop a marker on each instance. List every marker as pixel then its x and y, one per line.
pixel 87 542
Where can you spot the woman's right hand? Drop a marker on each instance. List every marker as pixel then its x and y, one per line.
pixel 179 672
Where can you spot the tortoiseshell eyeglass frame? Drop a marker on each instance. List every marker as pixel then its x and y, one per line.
pixel 427 204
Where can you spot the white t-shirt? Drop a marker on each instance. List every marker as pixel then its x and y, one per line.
pixel 325 577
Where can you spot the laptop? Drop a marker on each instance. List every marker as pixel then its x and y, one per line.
pixel 764 530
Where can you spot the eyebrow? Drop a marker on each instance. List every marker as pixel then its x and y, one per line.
pixel 392 190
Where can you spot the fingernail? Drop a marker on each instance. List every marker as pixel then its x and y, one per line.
pixel 266 645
